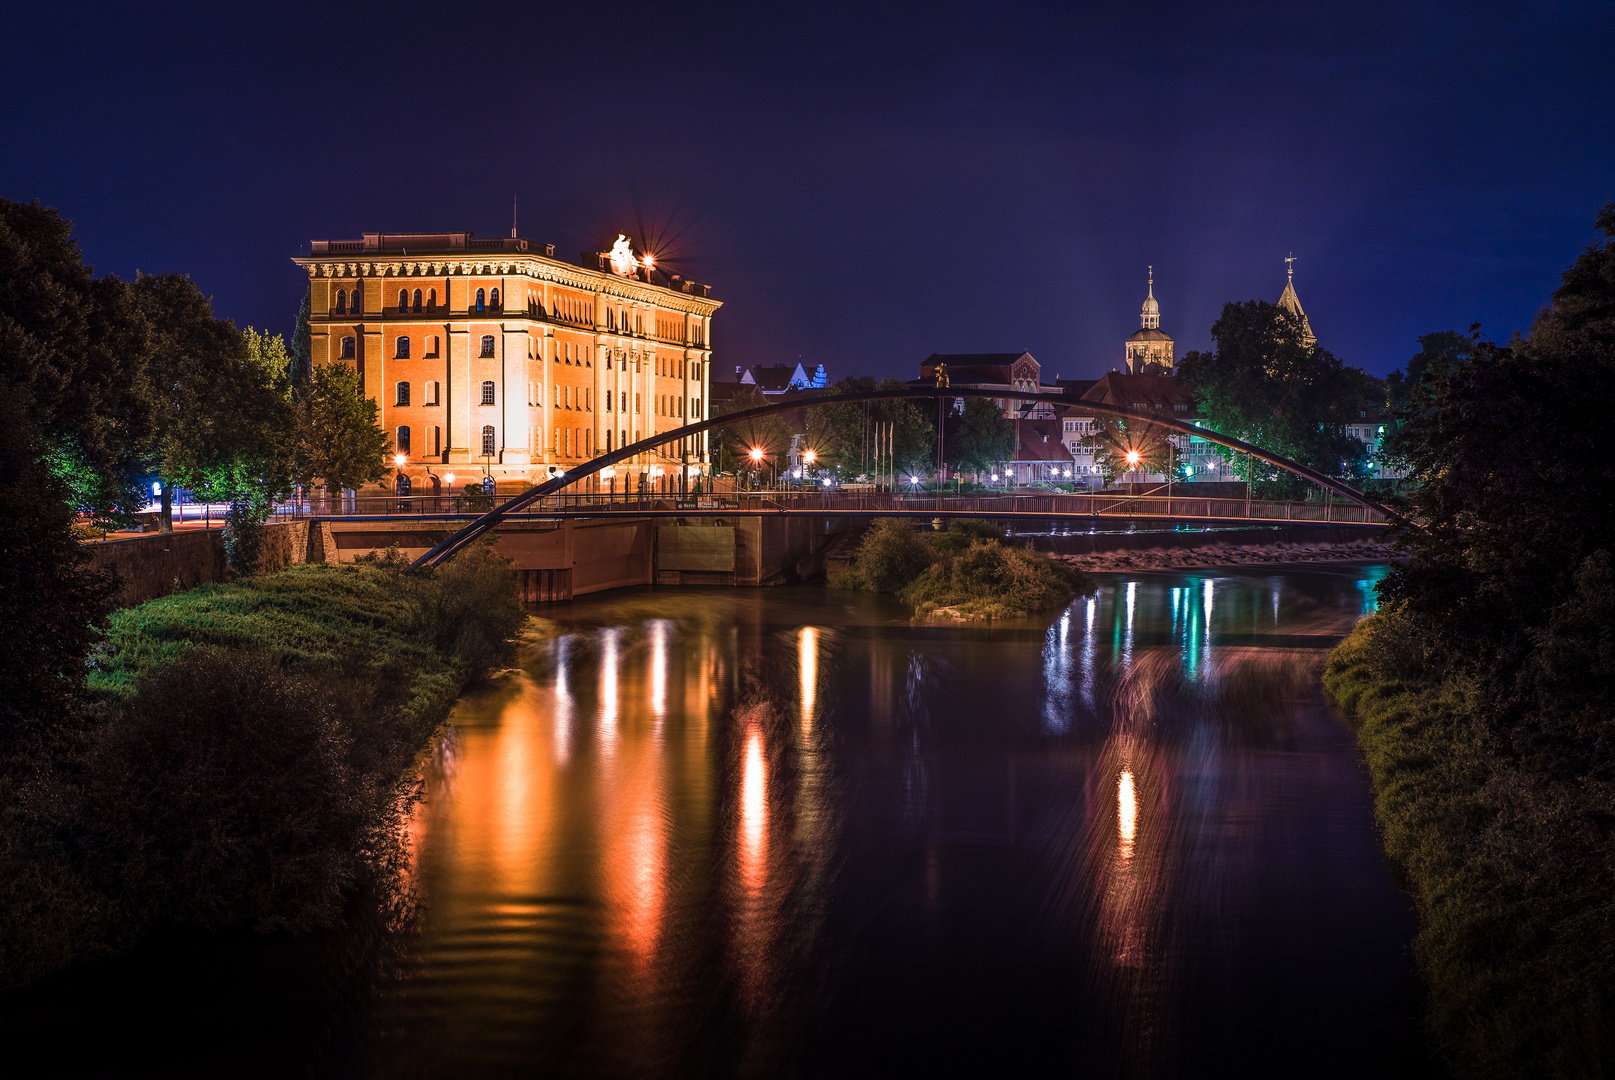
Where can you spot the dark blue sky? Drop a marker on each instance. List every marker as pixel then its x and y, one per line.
pixel 862 184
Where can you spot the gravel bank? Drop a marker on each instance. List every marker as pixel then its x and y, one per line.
pixel 1230 555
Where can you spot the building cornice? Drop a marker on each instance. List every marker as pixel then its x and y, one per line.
pixel 536 267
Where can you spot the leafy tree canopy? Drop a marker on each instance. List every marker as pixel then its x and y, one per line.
pixel 735 442
pixel 1507 446
pixel 338 439
pixel 977 437
pixel 1264 384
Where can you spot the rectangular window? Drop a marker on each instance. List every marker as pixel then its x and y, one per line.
pixel 403 348
pixel 430 346
pixel 403 440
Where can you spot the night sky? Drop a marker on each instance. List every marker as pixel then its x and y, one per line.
pixel 862 185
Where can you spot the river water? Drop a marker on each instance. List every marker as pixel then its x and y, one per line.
pixel 788 832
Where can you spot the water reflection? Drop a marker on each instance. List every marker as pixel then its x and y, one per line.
pixel 789 833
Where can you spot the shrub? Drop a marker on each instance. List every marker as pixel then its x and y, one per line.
pixel 967 569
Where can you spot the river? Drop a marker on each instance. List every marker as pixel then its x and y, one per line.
pixel 788 832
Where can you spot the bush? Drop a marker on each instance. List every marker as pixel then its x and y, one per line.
pixel 966 569
pixel 1506 852
pixel 251 754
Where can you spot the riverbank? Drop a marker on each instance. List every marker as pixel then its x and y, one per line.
pixel 1503 838
pixel 244 755
pixel 1216 555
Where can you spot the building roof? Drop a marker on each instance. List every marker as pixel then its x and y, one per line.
pixel 1148 334
pixel 1290 302
pixel 1157 393
pixel 1039 441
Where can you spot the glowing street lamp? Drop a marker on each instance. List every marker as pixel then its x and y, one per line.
pixel 809 457
pixel 757 454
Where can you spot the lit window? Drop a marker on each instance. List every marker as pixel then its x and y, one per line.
pixel 487 393
pixel 347 348
pixel 487 346
pixel 481 300
pixel 403 394
pixel 403 348
pixel 487 439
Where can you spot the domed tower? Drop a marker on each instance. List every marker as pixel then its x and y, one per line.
pixel 1149 351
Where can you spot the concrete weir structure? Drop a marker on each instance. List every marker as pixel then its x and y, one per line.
pixel 555 559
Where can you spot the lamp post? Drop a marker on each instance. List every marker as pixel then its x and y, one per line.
pixel 399 461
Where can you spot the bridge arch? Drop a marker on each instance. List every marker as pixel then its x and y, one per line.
pixel 565 480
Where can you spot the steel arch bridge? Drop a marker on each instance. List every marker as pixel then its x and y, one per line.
pixel 481 525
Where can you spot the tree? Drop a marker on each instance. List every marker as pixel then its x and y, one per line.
pixel 338 439
pixel 840 434
pixel 1264 384
pixel 977 437
pixel 1123 444
pixel 302 345
pixel 1506 448
pixel 737 441
pixel 72 349
pixel 219 415
pixel 49 598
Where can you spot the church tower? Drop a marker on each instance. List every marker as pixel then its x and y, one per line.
pixel 1149 351
pixel 1292 303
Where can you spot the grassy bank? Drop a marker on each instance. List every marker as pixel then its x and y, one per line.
pixel 1504 835
pixel 966 572
pixel 245 757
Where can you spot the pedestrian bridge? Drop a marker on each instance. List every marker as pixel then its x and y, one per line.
pixel 1169 507
pixel 1180 505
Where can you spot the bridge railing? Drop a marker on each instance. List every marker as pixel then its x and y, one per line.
pixel 1055 505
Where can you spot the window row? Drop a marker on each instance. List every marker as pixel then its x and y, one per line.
pixel 668 405
pixel 429 392
pixel 431 343
pixel 409 302
pixel 432 436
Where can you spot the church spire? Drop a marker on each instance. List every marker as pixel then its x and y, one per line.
pixel 1150 316
pixel 1290 302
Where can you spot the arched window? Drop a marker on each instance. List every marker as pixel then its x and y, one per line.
pixel 608 442
pixel 487 392
pixel 431 300
pixel 342 301
pixel 403 348
pixel 487 439
pixel 403 394
pixel 403 301
pixel 347 348
pixel 608 401
pixel 417 301
pixel 493 299
pixel 401 444
pixel 357 304
pixel 487 345
pixel 481 300
pixel 403 484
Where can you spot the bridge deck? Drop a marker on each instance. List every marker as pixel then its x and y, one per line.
pixel 834 504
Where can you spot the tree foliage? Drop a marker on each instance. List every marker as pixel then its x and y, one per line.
pixel 1123 444
pixel 1264 384
pixel 1512 476
pixel 338 439
pixel 735 442
pixel 977 437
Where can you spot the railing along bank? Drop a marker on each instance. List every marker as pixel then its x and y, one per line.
pixel 1082 505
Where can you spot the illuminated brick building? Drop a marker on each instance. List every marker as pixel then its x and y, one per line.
pixel 494 358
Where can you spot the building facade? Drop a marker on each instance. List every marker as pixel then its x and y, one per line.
pixel 495 360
